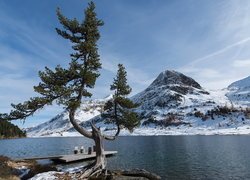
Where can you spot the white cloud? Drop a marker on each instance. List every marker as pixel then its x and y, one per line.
pixel 220 51
pixel 218 77
pixel 241 63
pixel 231 60
pixel 203 73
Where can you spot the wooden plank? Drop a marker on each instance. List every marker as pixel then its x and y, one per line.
pixel 40 158
pixel 71 157
pixel 81 157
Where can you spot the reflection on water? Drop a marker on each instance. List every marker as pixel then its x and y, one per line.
pixel 172 157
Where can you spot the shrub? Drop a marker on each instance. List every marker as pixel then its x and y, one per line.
pixel 205 117
pixel 198 114
pixel 171 120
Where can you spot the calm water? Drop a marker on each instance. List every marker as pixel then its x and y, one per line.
pixel 172 157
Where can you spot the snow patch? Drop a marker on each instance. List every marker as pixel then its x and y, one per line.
pixel 51 175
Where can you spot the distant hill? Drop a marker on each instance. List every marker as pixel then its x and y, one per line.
pixel 8 130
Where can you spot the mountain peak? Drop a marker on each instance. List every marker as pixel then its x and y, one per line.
pixel 169 90
pixel 171 77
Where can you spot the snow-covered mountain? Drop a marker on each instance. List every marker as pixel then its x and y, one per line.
pixel 174 92
pixel 172 104
pixel 60 123
pixel 239 91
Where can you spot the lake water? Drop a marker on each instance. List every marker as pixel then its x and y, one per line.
pixel 172 157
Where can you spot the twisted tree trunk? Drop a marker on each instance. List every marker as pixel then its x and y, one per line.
pixel 100 156
pixel 99 165
pixel 100 162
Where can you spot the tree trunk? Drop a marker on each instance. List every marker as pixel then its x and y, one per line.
pixel 100 156
pixel 100 163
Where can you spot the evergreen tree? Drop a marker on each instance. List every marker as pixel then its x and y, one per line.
pixel 68 86
pixel 9 130
pixel 118 109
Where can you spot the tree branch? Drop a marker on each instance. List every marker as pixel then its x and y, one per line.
pixel 80 129
pixel 111 138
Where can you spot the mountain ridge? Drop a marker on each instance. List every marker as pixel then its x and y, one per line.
pixel 239 91
pixel 172 100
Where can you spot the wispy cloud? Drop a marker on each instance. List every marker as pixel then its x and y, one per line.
pixel 241 63
pixel 220 51
pixel 24 51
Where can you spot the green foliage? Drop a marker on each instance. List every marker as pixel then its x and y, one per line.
pixel 119 109
pixel 8 130
pixel 67 86
pixel 130 120
pixel 28 108
pixel 120 82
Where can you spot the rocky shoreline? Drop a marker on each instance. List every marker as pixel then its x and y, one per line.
pixel 30 169
pixel 14 170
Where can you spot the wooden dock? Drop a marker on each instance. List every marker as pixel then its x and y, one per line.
pixel 72 157
pixel 81 157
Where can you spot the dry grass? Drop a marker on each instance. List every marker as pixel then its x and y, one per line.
pixel 6 172
pixel 8 168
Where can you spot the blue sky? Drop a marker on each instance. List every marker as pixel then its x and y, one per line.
pixel 207 40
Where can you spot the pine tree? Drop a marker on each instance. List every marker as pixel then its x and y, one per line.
pixel 68 86
pixel 9 130
pixel 118 109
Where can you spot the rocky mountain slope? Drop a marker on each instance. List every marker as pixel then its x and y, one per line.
pixel 239 92
pixel 172 104
pixel 60 123
pixel 173 92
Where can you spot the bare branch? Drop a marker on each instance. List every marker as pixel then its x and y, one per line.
pixel 111 138
pixel 80 129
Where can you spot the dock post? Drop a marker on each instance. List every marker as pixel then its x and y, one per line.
pixel 76 150
pixel 90 150
pixel 94 148
pixel 82 149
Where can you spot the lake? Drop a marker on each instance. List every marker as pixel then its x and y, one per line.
pixel 171 157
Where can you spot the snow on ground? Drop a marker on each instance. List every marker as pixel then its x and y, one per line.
pixel 51 175
pixel 180 130
pixel 189 131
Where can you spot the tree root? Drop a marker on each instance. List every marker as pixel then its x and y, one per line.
pixel 91 170
pixel 138 173
pixel 98 173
